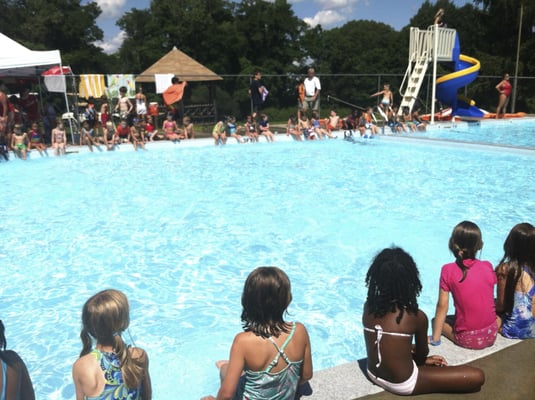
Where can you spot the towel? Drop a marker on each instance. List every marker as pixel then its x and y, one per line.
pixel 91 85
pixel 55 83
pixel 162 81
pixel 115 81
pixel 173 94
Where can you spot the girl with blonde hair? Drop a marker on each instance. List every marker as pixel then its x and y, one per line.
pixel 111 369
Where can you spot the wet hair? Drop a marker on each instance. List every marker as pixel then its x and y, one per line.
pixel 393 283
pixel 519 252
pixel 265 298
pixel 465 241
pixel 105 316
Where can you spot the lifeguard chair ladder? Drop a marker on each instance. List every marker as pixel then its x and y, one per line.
pixel 431 45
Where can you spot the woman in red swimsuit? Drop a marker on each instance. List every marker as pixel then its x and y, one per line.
pixel 504 88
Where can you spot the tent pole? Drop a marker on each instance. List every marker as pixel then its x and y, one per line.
pixel 66 99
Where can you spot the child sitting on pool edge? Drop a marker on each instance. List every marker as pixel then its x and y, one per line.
pixel 471 283
pixel 111 369
pixel 272 357
pixel 391 318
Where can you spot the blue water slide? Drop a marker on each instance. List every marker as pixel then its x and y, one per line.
pixel 465 71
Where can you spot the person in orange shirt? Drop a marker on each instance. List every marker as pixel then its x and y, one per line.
pixel 172 98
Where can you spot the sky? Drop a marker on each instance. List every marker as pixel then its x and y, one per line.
pixel 328 13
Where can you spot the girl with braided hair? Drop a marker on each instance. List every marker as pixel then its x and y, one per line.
pixel 110 370
pixel 471 283
pixel 391 320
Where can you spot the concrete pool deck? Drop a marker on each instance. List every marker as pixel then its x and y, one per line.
pixel 509 367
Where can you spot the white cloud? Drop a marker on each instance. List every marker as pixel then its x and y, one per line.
pixel 326 18
pixel 330 4
pixel 110 46
pixel 111 9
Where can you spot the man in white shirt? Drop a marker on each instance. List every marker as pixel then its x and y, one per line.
pixel 312 91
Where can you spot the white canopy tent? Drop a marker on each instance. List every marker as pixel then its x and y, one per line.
pixel 19 61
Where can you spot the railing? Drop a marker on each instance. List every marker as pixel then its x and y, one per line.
pixel 422 43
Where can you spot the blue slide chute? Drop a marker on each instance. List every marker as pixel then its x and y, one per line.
pixel 465 71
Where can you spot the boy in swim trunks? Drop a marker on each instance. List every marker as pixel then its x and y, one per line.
pixel 18 142
pixel 388 98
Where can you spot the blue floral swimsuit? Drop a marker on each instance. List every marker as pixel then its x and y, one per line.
pixel 115 388
pixel 520 324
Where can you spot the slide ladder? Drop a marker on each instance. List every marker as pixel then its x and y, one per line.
pixel 415 80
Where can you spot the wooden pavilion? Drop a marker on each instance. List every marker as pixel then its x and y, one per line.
pixel 187 69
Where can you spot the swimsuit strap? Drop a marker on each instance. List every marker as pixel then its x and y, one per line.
pixel 4 380
pixel 280 350
pixel 379 330
pixel 527 270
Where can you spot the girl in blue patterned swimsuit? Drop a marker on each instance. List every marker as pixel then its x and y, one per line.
pixel 272 357
pixel 515 301
pixel 111 370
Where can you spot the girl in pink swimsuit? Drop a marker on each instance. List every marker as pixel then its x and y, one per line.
pixel 471 283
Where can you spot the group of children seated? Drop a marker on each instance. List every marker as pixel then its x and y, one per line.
pixel 143 129
pixel 300 128
pixel 364 121
pixel 392 319
pixel 140 131
pixel 95 133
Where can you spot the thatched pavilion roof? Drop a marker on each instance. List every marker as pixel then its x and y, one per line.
pixel 180 64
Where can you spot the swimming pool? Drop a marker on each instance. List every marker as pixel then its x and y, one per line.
pixel 179 228
pixel 511 132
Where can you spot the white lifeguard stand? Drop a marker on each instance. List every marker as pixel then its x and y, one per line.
pixel 435 44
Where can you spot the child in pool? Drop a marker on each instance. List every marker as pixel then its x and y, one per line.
pixel 515 302
pixel 272 356
pixel 111 367
pixel 16 382
pixel 471 283
pixel 391 319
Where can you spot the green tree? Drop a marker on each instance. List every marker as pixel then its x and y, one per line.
pixel 57 24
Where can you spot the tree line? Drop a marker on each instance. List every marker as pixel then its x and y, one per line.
pixel 235 38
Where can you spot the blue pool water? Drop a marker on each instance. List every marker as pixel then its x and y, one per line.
pixel 511 132
pixel 179 228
